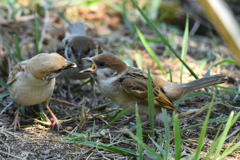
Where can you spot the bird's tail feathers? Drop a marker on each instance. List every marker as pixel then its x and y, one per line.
pixel 204 82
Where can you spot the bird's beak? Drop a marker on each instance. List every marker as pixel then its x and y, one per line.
pixel 79 54
pixel 89 70
pixel 70 65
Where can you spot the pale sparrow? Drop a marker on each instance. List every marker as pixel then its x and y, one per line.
pixel 32 81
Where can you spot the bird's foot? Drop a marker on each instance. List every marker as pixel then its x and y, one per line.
pixel 94 100
pixel 93 103
pixel 55 122
pixel 132 129
pixel 16 123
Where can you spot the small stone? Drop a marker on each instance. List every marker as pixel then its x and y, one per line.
pixel 46 151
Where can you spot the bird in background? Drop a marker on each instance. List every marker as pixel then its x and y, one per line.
pixel 76 48
pixel 32 82
pixel 127 86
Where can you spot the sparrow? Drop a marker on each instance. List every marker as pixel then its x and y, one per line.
pixel 127 86
pixel 74 50
pixel 32 82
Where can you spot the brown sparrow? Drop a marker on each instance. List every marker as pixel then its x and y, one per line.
pixel 32 81
pixel 74 50
pixel 126 85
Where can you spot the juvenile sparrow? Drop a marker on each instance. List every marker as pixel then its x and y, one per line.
pixel 32 82
pixel 127 85
pixel 75 49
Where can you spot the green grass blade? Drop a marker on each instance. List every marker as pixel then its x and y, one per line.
pixel 162 38
pixel 149 40
pixel 215 41
pixel 160 149
pixel 81 85
pixel 102 106
pixel 184 48
pixel 203 64
pixel 177 137
pixel 75 134
pixel 36 33
pixel 61 15
pixel 17 48
pixel 160 141
pixel 4 95
pixel 223 136
pixel 229 145
pixel 3 84
pixel 139 134
pixel 220 127
pixel 153 13
pixel 126 20
pixel 170 74
pixel 9 51
pixel 193 95
pixel 235 118
pixel 138 58
pixel 203 131
pixel 144 145
pixel 2 12
pixel 162 16
pixel 151 108
pixel 170 41
pixel 214 145
pixel 206 107
pixel 114 6
pixel 210 121
pixel 190 157
pixel 115 149
pixel 40 115
pixel 150 51
pixel 151 156
pixel 224 154
pixel 167 133
pixel 120 115
pixel 226 61
pixel 94 126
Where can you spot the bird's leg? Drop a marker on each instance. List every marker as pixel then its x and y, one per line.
pixel 69 93
pixel 16 120
pixel 123 122
pixel 132 129
pixel 94 100
pixel 55 120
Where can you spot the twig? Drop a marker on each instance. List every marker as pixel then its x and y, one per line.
pixel 9 154
pixel 6 108
pixel 71 117
pixel 103 120
pixel 81 156
pixel 45 139
pixel 83 117
pixel 89 156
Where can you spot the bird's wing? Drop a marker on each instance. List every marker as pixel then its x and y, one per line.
pixel 138 88
pixel 135 88
pixel 20 67
pixel 161 100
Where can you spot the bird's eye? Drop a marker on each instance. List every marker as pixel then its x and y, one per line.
pixel 102 63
